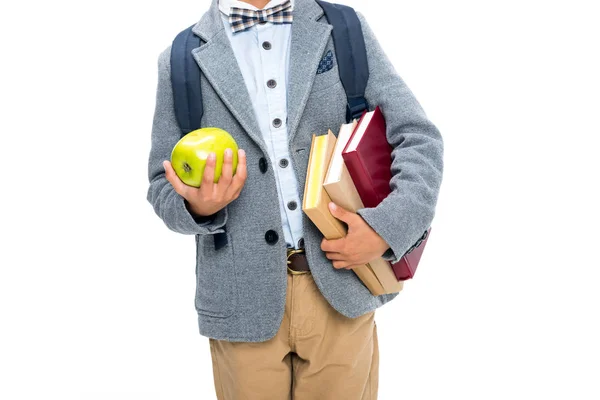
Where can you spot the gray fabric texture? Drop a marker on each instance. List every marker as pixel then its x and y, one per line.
pixel 241 288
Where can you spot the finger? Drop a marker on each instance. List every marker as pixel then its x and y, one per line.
pixel 226 170
pixel 341 213
pixel 353 266
pixel 241 173
pixel 208 177
pixel 340 264
pixel 334 256
pixel 333 245
pixel 174 180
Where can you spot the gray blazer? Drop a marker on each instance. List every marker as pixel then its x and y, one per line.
pixel 241 288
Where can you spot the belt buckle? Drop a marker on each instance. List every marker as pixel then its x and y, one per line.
pixel 291 252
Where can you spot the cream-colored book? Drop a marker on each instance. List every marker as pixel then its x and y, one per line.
pixel 385 274
pixel 316 200
pixel 338 183
pixel 339 186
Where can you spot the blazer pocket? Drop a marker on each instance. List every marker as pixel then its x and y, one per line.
pixel 326 80
pixel 327 62
pixel 215 278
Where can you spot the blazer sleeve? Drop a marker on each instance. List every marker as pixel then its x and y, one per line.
pixel 417 156
pixel 169 205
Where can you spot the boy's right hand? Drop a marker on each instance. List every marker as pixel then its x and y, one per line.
pixel 211 197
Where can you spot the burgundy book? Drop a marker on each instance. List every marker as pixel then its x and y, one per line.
pixel 368 157
pixel 407 266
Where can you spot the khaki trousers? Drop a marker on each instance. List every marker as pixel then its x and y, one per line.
pixel 317 354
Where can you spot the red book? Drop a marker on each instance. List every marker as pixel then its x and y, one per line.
pixel 368 157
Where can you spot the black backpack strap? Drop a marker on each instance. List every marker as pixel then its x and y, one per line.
pixel 185 80
pixel 187 93
pixel 351 54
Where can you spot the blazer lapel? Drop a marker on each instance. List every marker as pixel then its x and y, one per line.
pixel 308 42
pixel 217 61
pixel 218 64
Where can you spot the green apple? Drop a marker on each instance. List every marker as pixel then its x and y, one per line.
pixel 189 155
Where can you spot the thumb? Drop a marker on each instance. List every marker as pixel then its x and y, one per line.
pixel 169 172
pixel 168 169
pixel 341 213
pixel 173 179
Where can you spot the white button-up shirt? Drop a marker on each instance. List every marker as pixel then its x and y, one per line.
pixel 265 72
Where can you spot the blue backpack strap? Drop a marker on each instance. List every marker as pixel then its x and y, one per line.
pixel 187 93
pixel 351 54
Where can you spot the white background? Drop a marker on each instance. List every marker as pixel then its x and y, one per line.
pixel 96 294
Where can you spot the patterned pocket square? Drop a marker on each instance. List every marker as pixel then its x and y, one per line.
pixel 326 62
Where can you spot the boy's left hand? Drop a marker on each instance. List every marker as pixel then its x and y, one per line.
pixel 361 244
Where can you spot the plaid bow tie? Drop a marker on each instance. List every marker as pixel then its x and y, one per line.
pixel 242 19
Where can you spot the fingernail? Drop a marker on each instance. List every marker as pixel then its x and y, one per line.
pixel 332 206
pixel 212 156
pixel 242 152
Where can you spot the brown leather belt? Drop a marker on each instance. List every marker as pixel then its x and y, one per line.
pixel 296 262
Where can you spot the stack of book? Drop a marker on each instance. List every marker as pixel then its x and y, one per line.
pixel 354 170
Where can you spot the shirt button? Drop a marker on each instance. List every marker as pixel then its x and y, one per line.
pixel 292 205
pixel 301 243
pixel 266 45
pixel 271 83
pixel 271 237
pixel 283 163
pixel 262 165
pixel 276 122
